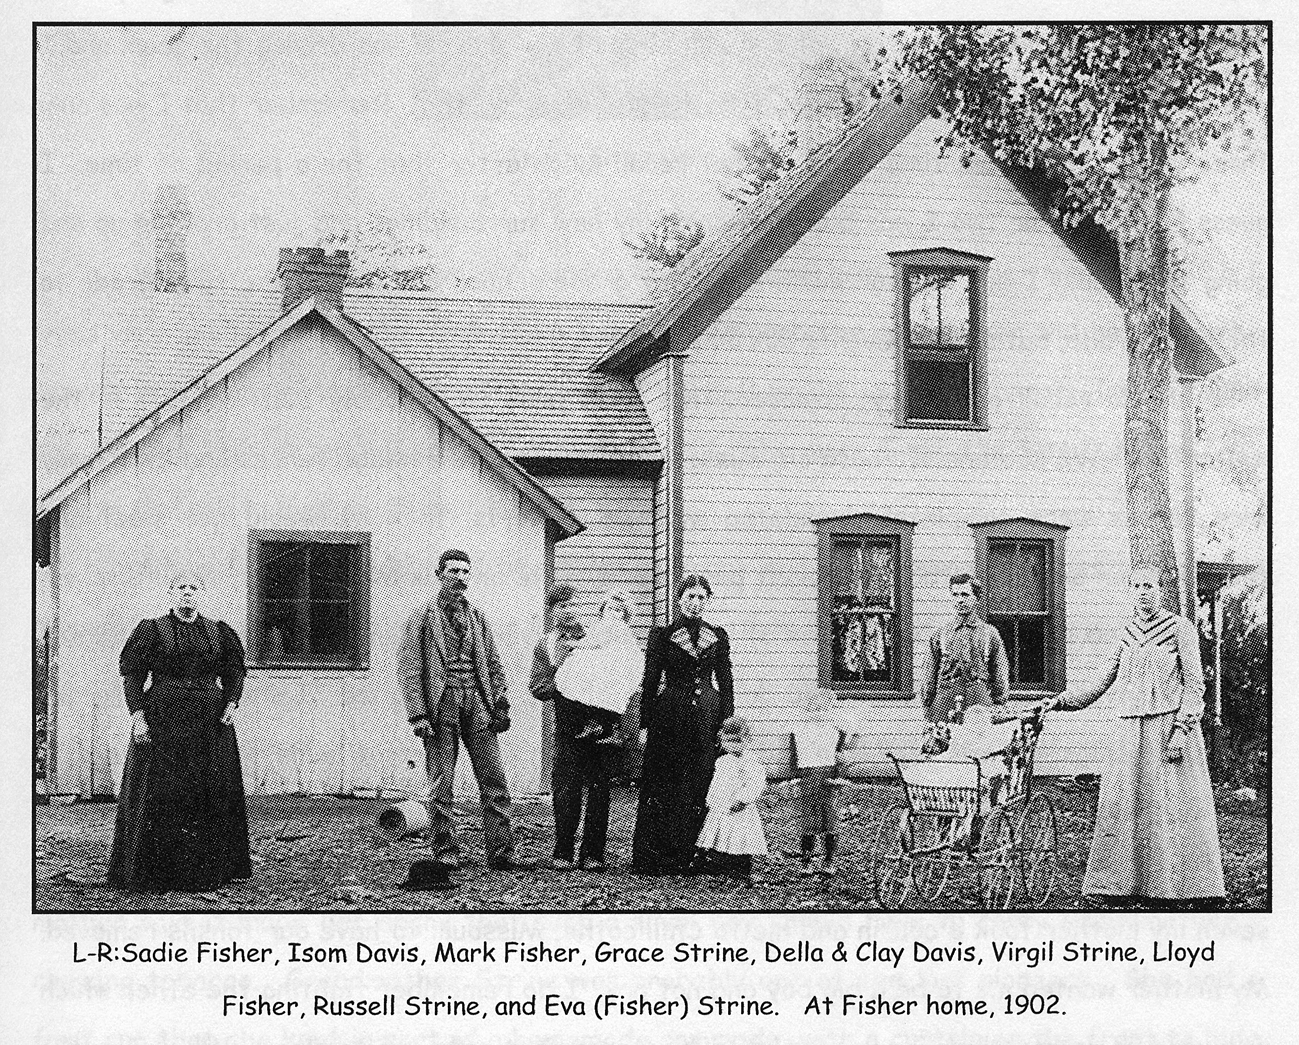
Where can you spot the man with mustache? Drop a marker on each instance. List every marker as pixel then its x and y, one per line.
pixel 454 689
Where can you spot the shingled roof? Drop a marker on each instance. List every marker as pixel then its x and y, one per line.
pixel 518 371
pixel 713 276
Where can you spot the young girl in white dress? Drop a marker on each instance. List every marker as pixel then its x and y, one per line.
pixel 732 832
pixel 603 671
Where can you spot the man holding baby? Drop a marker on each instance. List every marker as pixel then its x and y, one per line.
pixel 589 678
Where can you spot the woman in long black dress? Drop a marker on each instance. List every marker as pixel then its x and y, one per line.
pixel 181 818
pixel 693 660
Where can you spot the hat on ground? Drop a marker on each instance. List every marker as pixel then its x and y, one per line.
pixel 428 874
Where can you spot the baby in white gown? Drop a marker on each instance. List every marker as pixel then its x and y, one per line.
pixel 603 672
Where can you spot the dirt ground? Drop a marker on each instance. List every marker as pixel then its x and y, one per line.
pixel 321 854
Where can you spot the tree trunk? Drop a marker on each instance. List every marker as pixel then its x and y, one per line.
pixel 1143 262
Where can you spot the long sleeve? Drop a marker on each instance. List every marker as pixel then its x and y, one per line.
pixel 725 680
pixel 500 690
pixel 233 667
pixel 542 683
pixel 410 667
pixel 650 708
pixel 998 667
pixel 136 662
pixel 1188 655
pixel 1081 698
pixel 929 672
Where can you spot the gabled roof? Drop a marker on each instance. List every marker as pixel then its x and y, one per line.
pixel 518 371
pixel 364 343
pixel 713 276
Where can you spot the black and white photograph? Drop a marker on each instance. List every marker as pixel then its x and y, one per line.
pixel 813 468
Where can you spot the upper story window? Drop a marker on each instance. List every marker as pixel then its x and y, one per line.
pixel 865 605
pixel 309 599
pixel 1022 561
pixel 940 315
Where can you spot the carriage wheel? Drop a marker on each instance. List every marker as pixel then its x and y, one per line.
pixel 996 862
pixel 1037 843
pixel 929 873
pixel 891 858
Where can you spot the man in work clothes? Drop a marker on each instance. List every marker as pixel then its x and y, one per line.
pixel 965 663
pixel 454 688
pixel 582 768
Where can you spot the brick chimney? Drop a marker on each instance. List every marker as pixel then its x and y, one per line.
pixel 820 118
pixel 171 220
pixel 310 270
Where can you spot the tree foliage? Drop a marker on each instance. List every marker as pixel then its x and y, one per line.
pixel 388 254
pixel 669 239
pixel 1114 115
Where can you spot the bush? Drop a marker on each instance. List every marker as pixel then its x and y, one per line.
pixel 1246 688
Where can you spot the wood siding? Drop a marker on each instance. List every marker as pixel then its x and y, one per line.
pixel 790 416
pixel 308 435
pixel 652 383
pixel 616 550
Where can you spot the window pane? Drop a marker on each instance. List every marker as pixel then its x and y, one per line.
pixel 939 308
pixel 862 647
pixel 330 631
pixel 1017 577
pixel 331 571
pixel 285 631
pixel 283 565
pixel 1032 652
pixel 938 390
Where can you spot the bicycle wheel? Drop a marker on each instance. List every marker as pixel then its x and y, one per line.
pixel 891 858
pixel 1037 849
pixel 929 873
pixel 995 861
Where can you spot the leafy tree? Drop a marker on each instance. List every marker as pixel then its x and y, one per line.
pixel 390 255
pixel 669 239
pixel 1116 116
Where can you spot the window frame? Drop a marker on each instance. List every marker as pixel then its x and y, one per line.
pixel 1054 536
pixel 942 260
pixel 867 526
pixel 360 638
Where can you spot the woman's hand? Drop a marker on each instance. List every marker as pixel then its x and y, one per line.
pixel 228 716
pixel 139 729
pixel 738 806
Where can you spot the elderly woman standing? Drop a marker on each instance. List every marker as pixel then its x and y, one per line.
pixel 692 660
pixel 1156 830
pixel 181 819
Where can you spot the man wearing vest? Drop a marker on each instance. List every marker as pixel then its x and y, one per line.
pixel 454 687
pixel 965 663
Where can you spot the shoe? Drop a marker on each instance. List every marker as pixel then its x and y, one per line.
pixel 595 866
pixel 828 869
pixel 560 864
pixel 511 863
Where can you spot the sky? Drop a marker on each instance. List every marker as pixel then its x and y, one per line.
pixel 525 155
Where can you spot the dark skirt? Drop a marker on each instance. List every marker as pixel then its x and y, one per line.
pixel 181 818
pixel 678 767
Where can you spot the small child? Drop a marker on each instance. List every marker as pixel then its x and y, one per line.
pixel 603 671
pixel 977 737
pixel 732 831
pixel 816 753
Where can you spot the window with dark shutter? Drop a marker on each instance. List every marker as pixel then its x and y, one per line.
pixel 309 599
pixel 1022 563
pixel 940 310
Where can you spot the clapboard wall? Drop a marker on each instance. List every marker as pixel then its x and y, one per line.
pixel 308 435
pixel 790 399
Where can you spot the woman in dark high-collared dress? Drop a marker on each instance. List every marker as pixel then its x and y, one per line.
pixel 692 660
pixel 181 817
